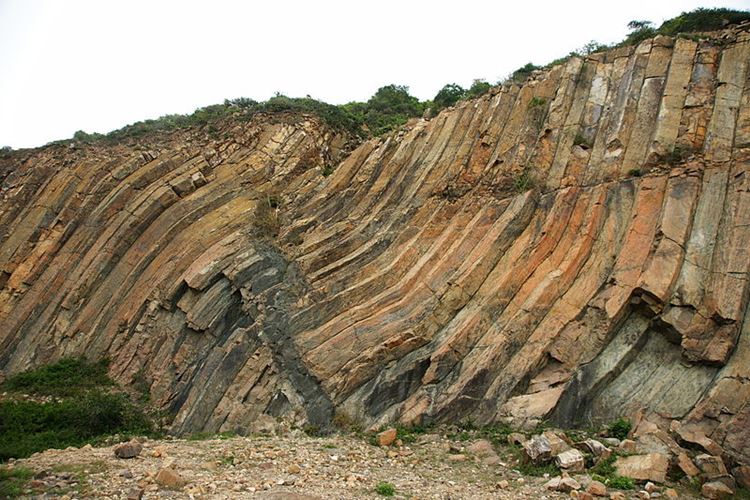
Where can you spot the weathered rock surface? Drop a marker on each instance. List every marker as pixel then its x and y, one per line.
pixel 421 281
pixel 650 467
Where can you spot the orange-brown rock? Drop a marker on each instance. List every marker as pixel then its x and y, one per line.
pixel 424 280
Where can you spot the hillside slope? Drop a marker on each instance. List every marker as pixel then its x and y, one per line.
pixel 576 248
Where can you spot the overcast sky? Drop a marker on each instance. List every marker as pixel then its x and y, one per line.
pixel 98 65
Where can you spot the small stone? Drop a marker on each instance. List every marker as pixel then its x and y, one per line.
pixel 135 494
pixel 716 490
pixel 597 488
pixel 571 460
pixel 457 457
pixel 627 446
pixel 36 484
pixel 210 465
pixel 651 487
pixel 671 493
pixel 553 484
pixel 569 484
pixel 582 495
pixel 481 448
pixel 169 478
pixel 521 480
pixel 126 473
pixel 130 449
pixel 159 452
pixel 617 495
pixel 643 494
pixel 610 441
pixel 387 437
pixel 502 484
pixel 294 469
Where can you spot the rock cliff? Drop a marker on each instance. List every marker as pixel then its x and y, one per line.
pixel 572 249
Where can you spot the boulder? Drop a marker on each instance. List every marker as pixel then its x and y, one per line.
pixel 543 447
pixel 627 446
pixel 651 487
pixel 716 490
pixel 537 449
pixel 131 449
pixel 649 467
pixel 568 484
pixel 571 460
pixel 742 475
pixel 694 438
pixel 594 447
pixel 597 488
pixel 482 448
pixel 610 441
pixel 686 465
pixel 387 437
pixel 711 466
pixel 565 484
pixel 170 478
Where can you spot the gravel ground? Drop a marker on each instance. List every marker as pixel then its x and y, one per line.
pixel 292 467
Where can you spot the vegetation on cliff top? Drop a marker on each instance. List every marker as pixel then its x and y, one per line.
pixel 68 403
pixel 392 106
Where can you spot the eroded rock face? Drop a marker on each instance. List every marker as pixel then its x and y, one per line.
pixel 422 280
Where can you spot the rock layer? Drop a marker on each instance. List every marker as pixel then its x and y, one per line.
pixel 575 248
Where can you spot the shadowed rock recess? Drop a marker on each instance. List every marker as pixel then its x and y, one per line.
pixel 572 249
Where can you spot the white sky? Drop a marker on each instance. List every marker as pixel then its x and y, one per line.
pixel 100 64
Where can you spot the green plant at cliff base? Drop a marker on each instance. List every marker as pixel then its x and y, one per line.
pixel 385 489
pixel 68 403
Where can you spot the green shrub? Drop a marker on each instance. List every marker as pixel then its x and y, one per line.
pixel 478 88
pixel 620 483
pixel 523 181
pixel 702 19
pixel 537 102
pixel 409 433
pixel 85 409
pixel 605 467
pixel 67 377
pixel 521 74
pixel 620 428
pixel 12 481
pixel 389 108
pixel 449 95
pixel 385 489
pixel 581 140
pixel 678 155
pixel 28 426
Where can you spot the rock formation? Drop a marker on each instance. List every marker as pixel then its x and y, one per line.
pixel 575 248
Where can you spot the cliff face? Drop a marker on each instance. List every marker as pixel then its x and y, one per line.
pixel 573 249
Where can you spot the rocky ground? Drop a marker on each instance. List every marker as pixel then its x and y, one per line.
pixel 297 466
